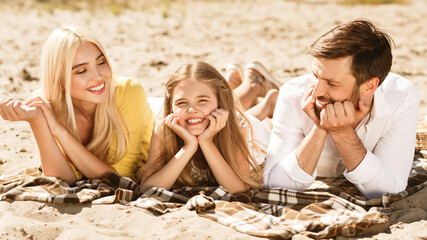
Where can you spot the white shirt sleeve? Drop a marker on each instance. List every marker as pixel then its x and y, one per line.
pixel 281 168
pixel 387 167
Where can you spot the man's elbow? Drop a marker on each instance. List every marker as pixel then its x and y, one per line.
pixel 284 183
pixel 396 188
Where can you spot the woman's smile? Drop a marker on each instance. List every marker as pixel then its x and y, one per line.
pixel 98 89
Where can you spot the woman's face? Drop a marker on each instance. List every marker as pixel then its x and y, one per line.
pixel 90 76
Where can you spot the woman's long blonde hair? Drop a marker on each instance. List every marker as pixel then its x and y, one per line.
pixel 230 140
pixel 56 65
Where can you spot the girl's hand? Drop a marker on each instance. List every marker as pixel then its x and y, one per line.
pixel 217 121
pixel 172 121
pixel 14 110
pixel 46 109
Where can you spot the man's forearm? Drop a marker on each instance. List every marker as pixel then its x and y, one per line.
pixel 310 149
pixel 350 147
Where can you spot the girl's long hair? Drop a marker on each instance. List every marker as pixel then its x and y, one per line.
pixel 56 65
pixel 230 140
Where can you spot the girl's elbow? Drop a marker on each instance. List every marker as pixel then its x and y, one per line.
pixel 148 184
pixel 244 188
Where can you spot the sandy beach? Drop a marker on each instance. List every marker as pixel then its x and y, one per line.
pixel 148 44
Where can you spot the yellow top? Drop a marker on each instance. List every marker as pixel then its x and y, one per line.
pixel 133 107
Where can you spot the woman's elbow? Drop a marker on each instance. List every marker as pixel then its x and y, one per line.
pixel 71 179
pixel 145 186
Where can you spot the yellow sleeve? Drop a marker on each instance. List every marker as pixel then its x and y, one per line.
pixel 134 109
pixel 79 175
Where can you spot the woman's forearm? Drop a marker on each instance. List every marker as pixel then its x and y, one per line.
pixel 54 163
pixel 87 163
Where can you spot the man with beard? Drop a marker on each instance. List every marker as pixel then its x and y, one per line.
pixel 350 116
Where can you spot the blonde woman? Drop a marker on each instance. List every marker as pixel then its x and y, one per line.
pixel 203 138
pixel 87 122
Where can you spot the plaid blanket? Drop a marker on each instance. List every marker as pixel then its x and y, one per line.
pixel 329 207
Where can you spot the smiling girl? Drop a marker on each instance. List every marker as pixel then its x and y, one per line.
pixel 87 122
pixel 203 138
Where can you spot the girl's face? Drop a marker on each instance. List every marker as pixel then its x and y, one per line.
pixel 90 76
pixel 193 101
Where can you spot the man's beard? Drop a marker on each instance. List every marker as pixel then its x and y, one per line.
pixel 354 99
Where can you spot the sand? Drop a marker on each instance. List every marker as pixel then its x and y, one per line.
pixel 148 46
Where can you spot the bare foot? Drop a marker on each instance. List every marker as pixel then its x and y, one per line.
pixel 265 108
pixel 259 74
pixel 234 75
pixel 256 81
pixel 233 78
pixel 264 84
pixel 271 99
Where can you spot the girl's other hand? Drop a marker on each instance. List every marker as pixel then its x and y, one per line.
pixel 46 109
pixel 172 121
pixel 14 110
pixel 217 121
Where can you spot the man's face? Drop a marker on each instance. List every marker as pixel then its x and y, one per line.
pixel 333 82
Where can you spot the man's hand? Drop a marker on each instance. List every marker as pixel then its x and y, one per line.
pixel 308 105
pixel 339 120
pixel 341 116
pixel 338 116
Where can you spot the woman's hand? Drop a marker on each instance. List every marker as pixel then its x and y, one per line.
pixel 14 110
pixel 217 121
pixel 53 161
pixel 172 121
pixel 46 109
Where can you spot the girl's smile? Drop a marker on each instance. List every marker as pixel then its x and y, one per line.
pixel 193 101
pixel 195 121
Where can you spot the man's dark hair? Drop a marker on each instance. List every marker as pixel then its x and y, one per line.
pixel 368 46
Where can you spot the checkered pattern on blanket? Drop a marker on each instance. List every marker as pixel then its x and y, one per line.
pixel 29 184
pixel 330 207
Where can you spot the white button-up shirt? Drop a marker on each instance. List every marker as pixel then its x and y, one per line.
pixel 388 134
